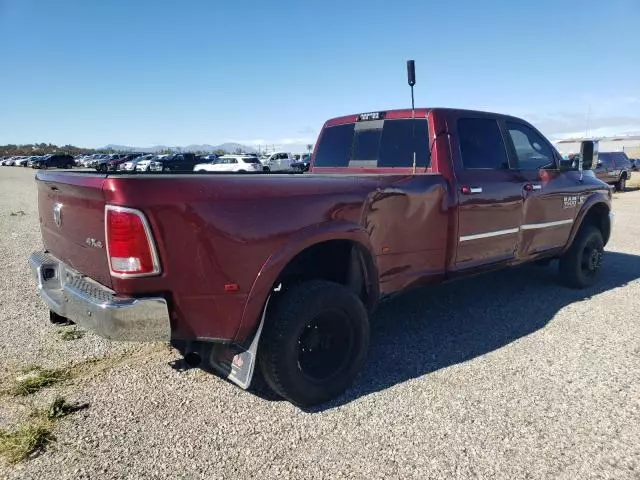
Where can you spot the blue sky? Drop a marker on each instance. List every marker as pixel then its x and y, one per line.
pixel 177 73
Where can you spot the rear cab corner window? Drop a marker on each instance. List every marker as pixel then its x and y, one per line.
pixel 380 143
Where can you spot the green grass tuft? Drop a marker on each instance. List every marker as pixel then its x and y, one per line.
pixel 71 334
pixel 26 440
pixel 35 378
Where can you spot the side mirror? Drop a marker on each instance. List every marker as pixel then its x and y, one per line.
pixel 588 153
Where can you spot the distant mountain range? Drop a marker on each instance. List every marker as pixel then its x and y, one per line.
pixel 227 147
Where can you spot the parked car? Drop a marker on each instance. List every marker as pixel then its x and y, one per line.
pixel 21 161
pixel 50 161
pixel 224 268
pixel 278 161
pixel 111 162
pixel 94 160
pixel 130 165
pixel 114 164
pixel 145 164
pixel 179 162
pixel 303 163
pixel 231 163
pixel 613 168
pixel 33 159
pixel 635 164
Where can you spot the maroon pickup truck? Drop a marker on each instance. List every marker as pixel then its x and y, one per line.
pixel 281 271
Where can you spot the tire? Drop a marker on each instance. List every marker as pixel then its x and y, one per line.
pixel 581 265
pixel 309 368
pixel 266 169
pixel 621 186
pixel 102 168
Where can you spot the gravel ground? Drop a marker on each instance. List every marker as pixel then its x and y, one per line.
pixel 508 375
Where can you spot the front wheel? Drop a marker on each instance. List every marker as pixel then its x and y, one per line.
pixel 621 186
pixel 315 342
pixel 581 265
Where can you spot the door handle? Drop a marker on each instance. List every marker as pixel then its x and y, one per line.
pixel 532 186
pixel 467 190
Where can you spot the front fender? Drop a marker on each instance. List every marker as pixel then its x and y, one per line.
pixel 594 200
pixel 271 269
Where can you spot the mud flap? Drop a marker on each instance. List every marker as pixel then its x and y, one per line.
pixel 236 363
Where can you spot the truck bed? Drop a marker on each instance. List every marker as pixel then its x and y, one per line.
pixel 217 229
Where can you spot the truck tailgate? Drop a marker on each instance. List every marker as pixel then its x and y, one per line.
pixel 71 211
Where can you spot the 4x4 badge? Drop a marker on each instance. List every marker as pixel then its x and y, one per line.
pixel 57 214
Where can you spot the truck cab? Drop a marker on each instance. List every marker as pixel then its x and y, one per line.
pixel 511 196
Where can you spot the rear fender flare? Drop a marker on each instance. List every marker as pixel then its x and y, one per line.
pixel 301 240
pixel 596 198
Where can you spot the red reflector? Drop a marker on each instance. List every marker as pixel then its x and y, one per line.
pixel 129 244
pixel 231 287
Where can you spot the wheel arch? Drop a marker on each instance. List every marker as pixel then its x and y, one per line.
pixel 595 211
pixel 340 252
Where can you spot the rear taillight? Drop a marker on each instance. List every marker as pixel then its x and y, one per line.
pixel 130 246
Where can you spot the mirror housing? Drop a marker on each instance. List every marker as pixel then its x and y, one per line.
pixel 588 153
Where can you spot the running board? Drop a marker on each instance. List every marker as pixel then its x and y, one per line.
pixel 236 363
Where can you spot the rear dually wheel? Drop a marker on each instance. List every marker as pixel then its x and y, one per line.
pixel 315 342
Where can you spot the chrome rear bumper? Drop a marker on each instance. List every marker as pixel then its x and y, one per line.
pixel 97 308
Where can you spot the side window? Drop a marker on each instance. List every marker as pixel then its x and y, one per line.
pixel 605 160
pixel 532 150
pixel 233 160
pixel 481 144
pixel 334 146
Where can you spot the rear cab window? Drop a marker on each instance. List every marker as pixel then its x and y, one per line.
pixel 378 143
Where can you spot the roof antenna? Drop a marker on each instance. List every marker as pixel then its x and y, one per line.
pixel 411 79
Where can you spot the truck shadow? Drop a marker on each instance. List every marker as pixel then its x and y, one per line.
pixel 434 327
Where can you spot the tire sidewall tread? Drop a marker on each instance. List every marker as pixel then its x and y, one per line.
pixel 286 318
pixel 569 265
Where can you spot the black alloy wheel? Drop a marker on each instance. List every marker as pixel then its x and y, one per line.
pixel 325 346
pixel 581 265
